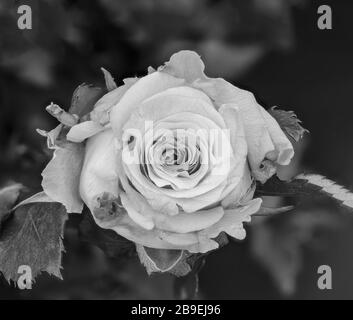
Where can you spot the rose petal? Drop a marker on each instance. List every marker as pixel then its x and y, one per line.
pixel 186 65
pixel 155 238
pixel 233 120
pixel 100 113
pixel 159 203
pixel 109 80
pixel 284 148
pixel 264 137
pixel 170 106
pixel 144 215
pixel 189 222
pixel 62 174
pixel 83 130
pixel 232 221
pixel 144 221
pixel 154 108
pixel 99 172
pixel 242 192
pixel 52 136
pixel 159 174
pixel 176 100
pixel 141 90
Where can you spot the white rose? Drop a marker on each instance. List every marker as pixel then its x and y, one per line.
pixel 171 158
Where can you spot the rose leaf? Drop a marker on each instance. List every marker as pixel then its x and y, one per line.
pixel 38 197
pixel 62 175
pixel 163 260
pixel 84 98
pixel 266 211
pixel 32 236
pixel 289 123
pixel 109 80
pixel 222 239
pixel 306 185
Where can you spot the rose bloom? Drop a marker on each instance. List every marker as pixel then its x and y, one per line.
pixel 171 158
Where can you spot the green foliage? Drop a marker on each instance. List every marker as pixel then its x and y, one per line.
pixel 289 123
pixel 32 236
pixel 306 185
pixel 61 177
pixel 84 98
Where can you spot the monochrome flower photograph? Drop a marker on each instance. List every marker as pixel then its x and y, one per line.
pixel 175 150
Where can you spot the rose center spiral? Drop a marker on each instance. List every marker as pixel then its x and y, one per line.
pixel 173 159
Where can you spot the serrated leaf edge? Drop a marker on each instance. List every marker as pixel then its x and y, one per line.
pixel 330 187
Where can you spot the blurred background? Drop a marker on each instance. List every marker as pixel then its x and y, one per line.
pixel 271 47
